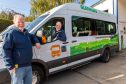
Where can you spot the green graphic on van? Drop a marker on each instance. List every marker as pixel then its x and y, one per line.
pixel 94 45
pixel 88 8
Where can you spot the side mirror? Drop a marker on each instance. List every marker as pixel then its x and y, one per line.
pixel 39 33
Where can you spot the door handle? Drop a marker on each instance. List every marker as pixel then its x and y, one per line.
pixel 65 42
pixel 74 41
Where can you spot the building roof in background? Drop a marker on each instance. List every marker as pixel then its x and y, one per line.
pixel 97 3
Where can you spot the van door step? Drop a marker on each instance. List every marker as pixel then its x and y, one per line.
pixel 80 65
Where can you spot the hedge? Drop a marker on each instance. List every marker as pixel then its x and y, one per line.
pixel 4 24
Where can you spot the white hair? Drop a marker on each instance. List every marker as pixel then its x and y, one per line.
pixel 17 16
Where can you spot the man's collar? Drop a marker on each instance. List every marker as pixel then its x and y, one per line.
pixel 21 29
pixel 18 29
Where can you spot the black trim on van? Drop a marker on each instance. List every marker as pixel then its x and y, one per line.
pixel 59 62
pixel 69 59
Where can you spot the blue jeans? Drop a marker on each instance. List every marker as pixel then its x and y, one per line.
pixel 22 75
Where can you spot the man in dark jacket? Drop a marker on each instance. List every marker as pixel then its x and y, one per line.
pixel 17 52
pixel 59 33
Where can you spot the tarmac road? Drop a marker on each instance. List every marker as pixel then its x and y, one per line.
pixel 95 72
pixel 113 72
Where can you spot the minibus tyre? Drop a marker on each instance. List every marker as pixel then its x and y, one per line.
pixel 38 73
pixel 105 56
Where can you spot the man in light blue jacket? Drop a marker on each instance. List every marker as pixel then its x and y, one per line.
pixel 17 52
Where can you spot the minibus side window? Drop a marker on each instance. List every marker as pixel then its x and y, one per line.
pixel 93 28
pixel 100 25
pixel 48 28
pixel 110 28
pixel 81 26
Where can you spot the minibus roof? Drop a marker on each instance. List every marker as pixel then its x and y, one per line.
pixel 83 9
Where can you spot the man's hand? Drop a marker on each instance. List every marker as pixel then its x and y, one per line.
pixel 38 46
pixel 13 70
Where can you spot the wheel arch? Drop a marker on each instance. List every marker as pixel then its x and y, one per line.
pixel 42 65
pixel 106 47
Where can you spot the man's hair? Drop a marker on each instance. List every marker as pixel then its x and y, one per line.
pixel 16 16
pixel 59 22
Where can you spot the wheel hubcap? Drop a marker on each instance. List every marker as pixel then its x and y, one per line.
pixel 107 56
pixel 35 77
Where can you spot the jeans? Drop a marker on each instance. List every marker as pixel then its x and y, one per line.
pixel 22 75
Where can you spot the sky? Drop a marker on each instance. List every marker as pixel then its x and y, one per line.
pixel 90 2
pixel 23 6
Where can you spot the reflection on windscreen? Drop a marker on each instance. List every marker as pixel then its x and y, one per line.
pixel 36 22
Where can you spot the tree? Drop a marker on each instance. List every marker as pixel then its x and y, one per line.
pixel 82 1
pixel 8 14
pixel 29 19
pixel 40 6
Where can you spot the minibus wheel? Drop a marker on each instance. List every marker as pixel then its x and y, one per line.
pixel 37 75
pixel 105 56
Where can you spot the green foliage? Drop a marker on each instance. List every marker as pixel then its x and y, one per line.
pixel 82 1
pixel 8 14
pixel 6 17
pixel 40 6
pixel 29 19
pixel 4 24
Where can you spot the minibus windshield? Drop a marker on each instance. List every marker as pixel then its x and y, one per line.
pixel 36 22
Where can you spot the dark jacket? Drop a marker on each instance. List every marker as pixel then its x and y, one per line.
pixel 17 48
pixel 59 35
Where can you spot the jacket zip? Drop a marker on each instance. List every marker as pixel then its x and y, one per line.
pixel 18 53
pixel 28 38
